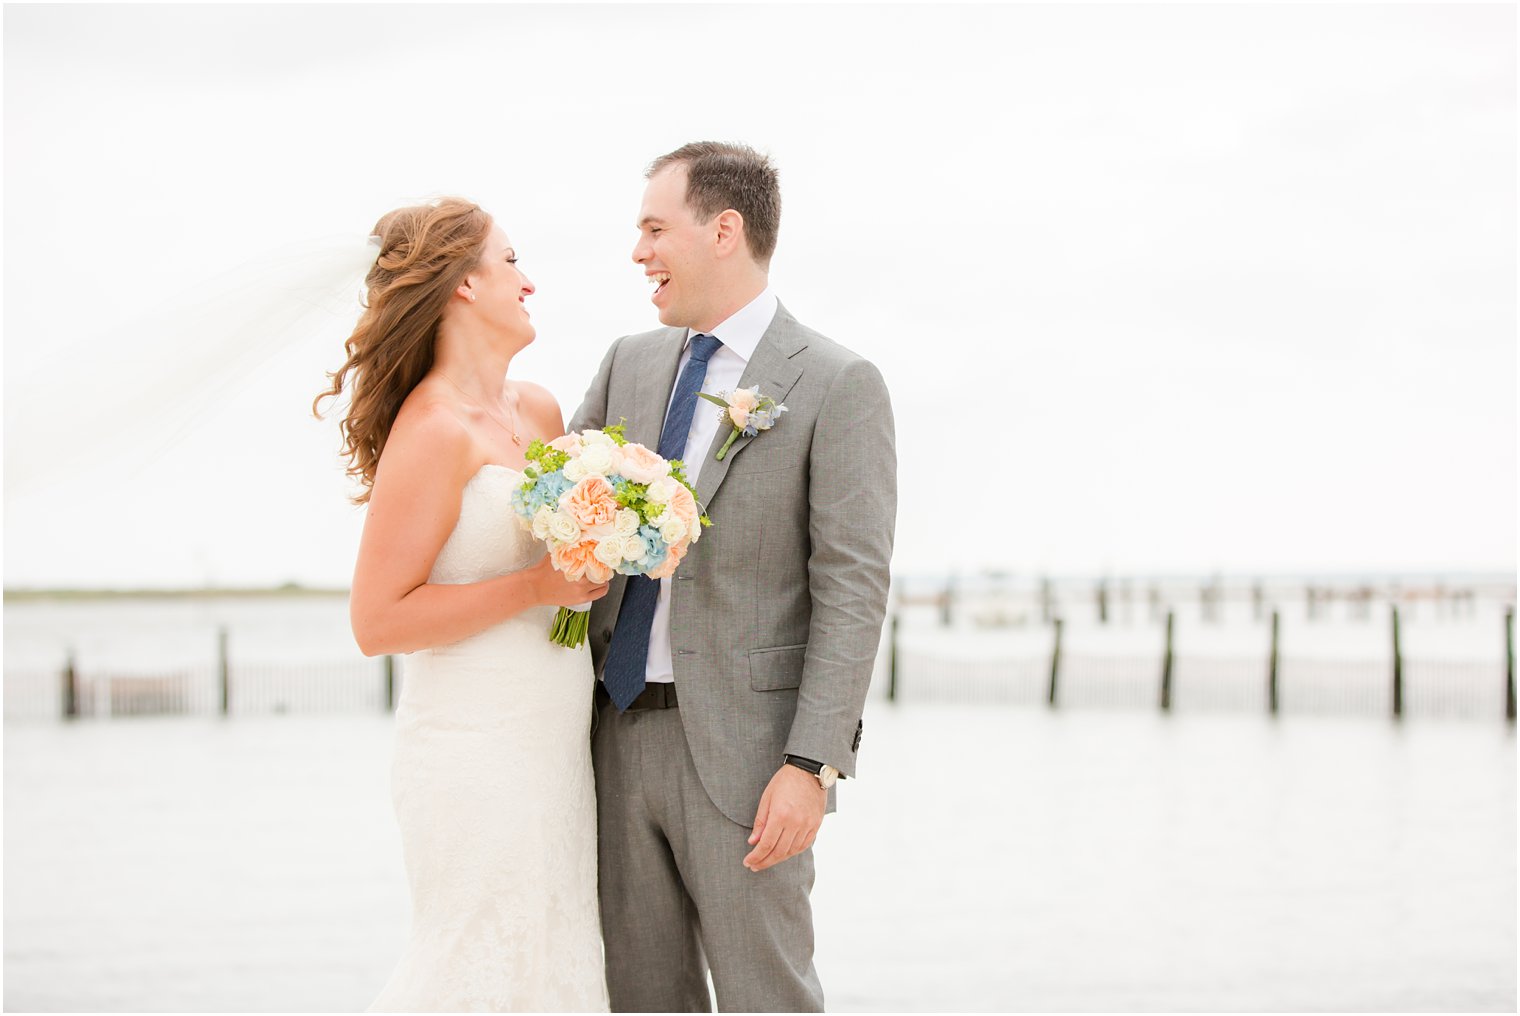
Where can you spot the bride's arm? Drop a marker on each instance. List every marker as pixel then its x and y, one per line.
pixel 413 506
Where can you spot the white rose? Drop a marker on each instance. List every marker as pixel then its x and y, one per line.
pixel 634 548
pixel 672 530
pixel 595 438
pixel 575 470
pixel 696 529
pixel 541 522
pixel 610 551
pixel 661 490
pixel 564 528
pixel 596 459
pixel 626 523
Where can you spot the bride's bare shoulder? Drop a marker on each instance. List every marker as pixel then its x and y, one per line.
pixel 539 406
pixel 431 428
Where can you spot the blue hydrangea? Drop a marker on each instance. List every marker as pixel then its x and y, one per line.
pixel 655 549
pixel 547 490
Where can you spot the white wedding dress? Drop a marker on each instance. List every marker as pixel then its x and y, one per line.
pixel 494 795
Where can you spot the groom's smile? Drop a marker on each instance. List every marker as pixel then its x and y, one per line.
pixel 659 280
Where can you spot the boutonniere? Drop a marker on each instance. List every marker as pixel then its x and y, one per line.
pixel 748 411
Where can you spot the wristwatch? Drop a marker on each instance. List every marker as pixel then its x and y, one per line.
pixel 825 774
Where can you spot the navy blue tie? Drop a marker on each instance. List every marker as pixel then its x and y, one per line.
pixel 624 673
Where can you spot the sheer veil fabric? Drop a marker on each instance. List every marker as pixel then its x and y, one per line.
pixel 127 391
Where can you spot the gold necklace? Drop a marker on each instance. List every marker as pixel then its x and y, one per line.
pixel 512 431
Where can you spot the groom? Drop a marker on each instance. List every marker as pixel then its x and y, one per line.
pixel 730 695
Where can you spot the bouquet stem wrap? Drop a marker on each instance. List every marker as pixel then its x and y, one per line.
pixel 569 627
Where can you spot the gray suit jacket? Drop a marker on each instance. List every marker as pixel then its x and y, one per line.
pixel 776 612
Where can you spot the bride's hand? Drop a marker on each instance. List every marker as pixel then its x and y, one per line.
pixel 557 591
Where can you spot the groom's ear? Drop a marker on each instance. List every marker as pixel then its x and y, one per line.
pixel 728 232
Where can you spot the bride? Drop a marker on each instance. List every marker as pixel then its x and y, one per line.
pixel 492 774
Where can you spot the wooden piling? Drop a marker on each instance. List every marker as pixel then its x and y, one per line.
pixel 1509 664
pixel 892 660
pixel 1103 601
pixel 946 601
pixel 72 688
pixel 223 671
pixel 1398 668
pixel 1055 663
pixel 1166 666
pixel 1046 601
pixel 390 681
pixel 1272 668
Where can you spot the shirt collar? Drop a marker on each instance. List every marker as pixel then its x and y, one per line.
pixel 742 331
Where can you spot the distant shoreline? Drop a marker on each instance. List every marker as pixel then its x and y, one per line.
pixel 289 590
pixel 1412 581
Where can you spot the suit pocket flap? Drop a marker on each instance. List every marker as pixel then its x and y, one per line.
pixel 773 669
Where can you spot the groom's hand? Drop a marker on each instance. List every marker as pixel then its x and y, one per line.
pixel 787 821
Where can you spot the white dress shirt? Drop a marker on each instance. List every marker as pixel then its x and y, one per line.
pixel 740 334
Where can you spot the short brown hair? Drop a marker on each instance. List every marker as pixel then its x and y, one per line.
pixel 720 176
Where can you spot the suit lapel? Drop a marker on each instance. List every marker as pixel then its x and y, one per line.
pixel 655 377
pixel 655 382
pixel 774 370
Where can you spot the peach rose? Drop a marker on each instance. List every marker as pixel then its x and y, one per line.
pixel 591 502
pixel 672 561
pixel 567 443
pixel 683 504
pixel 642 465
pixel 578 561
pixel 740 404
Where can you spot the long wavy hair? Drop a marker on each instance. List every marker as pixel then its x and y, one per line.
pixel 425 253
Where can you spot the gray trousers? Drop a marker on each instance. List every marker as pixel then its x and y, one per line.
pixel 676 898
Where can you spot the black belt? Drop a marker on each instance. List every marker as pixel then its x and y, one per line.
pixel 658 695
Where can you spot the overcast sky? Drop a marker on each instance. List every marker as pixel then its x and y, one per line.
pixel 1170 289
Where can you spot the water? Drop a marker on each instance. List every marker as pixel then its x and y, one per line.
pixel 292 652
pixel 296 654
pixel 989 858
pixel 137 634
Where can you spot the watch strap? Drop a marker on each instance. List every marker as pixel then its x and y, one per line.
pixel 805 764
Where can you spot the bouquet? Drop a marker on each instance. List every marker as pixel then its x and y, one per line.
pixel 605 506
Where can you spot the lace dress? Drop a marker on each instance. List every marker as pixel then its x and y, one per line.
pixel 494 795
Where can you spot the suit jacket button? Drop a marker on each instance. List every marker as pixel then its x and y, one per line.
pixel 607 633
